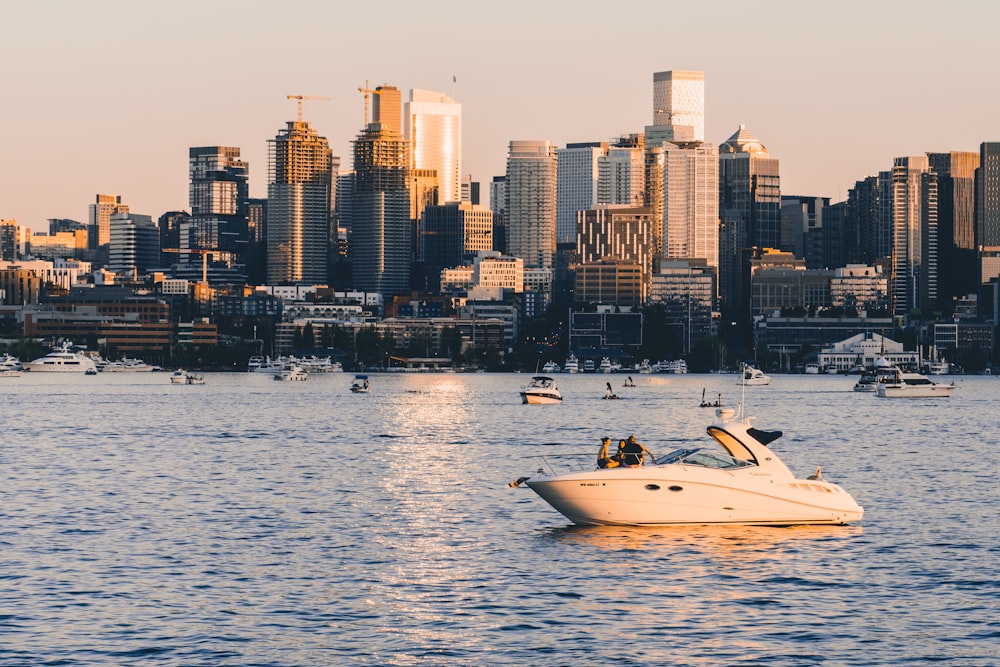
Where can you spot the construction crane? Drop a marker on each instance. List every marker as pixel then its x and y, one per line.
pixel 366 90
pixel 204 252
pixel 302 98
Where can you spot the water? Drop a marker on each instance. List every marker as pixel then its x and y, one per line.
pixel 251 522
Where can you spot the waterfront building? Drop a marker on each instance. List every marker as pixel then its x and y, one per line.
pixel 530 202
pixel 687 291
pixel 300 172
pixel 434 129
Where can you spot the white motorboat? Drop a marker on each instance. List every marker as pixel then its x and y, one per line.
pixel 62 360
pixel 605 366
pixel 644 367
pixel 743 483
pixel 541 390
pixel 867 383
pixel 9 373
pixel 812 368
pixel 181 376
pixel 291 373
pixel 912 385
pixel 677 366
pixel 360 385
pixel 572 364
pixel 127 365
pixel 588 366
pixel 551 367
pixel 753 376
pixel 10 363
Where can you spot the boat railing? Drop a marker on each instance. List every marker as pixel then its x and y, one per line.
pixel 561 464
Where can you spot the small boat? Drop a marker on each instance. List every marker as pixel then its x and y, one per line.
pixel 90 371
pixel 181 376
pixel 541 390
pixel 291 373
pixel 912 385
pixel 551 367
pixel 753 376
pixel 605 366
pixel 739 481
pixel 644 367
pixel 867 383
pixel 705 403
pixel 360 384
pixel 588 366
pixel 812 369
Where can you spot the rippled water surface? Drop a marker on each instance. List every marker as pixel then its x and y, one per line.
pixel 252 522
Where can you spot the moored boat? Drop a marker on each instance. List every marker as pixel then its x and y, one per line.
pixel 739 481
pixel 62 360
pixel 572 364
pixel 291 373
pixel 752 376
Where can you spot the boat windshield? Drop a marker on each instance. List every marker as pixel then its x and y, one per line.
pixel 702 457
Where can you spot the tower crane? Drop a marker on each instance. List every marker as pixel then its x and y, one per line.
pixel 204 252
pixel 366 90
pixel 302 98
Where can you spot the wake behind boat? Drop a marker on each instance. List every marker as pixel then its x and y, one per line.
pixel 745 483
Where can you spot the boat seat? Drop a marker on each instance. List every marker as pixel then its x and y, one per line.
pixel 764 437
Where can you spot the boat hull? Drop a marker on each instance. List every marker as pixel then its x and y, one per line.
pixel 921 391
pixel 537 398
pixel 684 495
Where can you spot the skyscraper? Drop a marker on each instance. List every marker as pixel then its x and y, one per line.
pixel 691 202
pixel 678 107
pixel 988 210
pixel 621 172
pixel 531 202
pixel 218 195
pixel 300 170
pixel 134 243
pixel 913 280
pixel 956 172
pixel 382 229
pixel 433 126
pixel 99 218
pixel 577 177
pixel 749 211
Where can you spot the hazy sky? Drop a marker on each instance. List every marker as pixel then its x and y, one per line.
pixel 107 96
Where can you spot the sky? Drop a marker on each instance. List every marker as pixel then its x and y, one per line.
pixel 107 96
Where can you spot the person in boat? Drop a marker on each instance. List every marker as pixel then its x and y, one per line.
pixel 635 453
pixel 603 459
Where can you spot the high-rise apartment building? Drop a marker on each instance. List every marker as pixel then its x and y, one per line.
pixel 300 171
pixel 749 210
pixel 134 243
pixel 433 126
pixel 691 202
pixel 913 281
pixel 530 207
pixel 454 233
pixel 678 107
pixel 621 233
pixel 577 177
pixel 956 173
pixel 10 240
pixel 99 218
pixel 218 194
pixel 621 173
pixel 382 228
pixel 988 195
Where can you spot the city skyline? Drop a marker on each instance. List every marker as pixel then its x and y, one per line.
pixel 108 97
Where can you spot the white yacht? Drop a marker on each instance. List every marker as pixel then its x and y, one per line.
pixel 541 390
pixel 912 385
pixel 572 364
pixel 812 368
pixel 605 366
pixel 291 373
pixel 753 376
pixel 588 366
pixel 677 366
pixel 644 367
pixel 62 360
pixel 743 483
pixel 551 367
pixel 127 365
pixel 10 363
